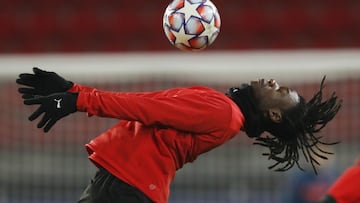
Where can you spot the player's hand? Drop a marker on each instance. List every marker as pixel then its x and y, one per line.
pixel 41 83
pixel 54 107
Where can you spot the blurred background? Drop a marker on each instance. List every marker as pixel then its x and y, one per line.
pixel 121 46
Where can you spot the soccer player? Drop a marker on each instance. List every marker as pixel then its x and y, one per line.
pixel 346 188
pixel 158 132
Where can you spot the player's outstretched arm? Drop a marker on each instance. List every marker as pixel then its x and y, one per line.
pixel 41 82
pixel 53 107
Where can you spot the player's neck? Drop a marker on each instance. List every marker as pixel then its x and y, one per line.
pixel 245 100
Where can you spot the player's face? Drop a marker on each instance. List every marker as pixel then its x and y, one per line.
pixel 270 94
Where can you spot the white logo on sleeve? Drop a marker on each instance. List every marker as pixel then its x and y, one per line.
pixel 58 105
pixel 152 187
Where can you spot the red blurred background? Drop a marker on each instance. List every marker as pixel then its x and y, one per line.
pixel 136 25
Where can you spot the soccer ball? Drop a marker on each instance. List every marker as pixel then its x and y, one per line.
pixel 191 25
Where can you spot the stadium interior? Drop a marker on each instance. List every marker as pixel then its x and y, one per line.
pixel 121 46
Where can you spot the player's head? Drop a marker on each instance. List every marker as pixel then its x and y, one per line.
pixel 291 121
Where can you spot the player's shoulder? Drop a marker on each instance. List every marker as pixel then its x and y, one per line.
pixel 199 87
pixel 205 89
pixel 199 90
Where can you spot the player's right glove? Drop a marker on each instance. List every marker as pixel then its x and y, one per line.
pixel 41 83
pixel 54 107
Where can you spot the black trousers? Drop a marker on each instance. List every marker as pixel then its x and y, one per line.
pixel 328 199
pixel 106 188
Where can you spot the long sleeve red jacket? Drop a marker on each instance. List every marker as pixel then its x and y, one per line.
pixel 158 132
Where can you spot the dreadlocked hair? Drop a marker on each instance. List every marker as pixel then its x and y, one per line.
pixel 297 132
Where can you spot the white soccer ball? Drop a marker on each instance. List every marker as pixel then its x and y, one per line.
pixel 191 25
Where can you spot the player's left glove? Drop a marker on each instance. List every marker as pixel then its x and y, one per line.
pixel 42 83
pixel 54 107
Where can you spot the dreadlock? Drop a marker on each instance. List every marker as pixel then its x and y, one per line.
pixel 297 132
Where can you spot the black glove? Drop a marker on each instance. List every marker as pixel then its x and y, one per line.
pixel 54 107
pixel 41 83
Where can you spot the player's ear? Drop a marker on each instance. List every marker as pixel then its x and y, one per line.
pixel 275 115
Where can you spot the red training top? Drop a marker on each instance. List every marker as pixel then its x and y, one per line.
pixel 346 188
pixel 158 133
